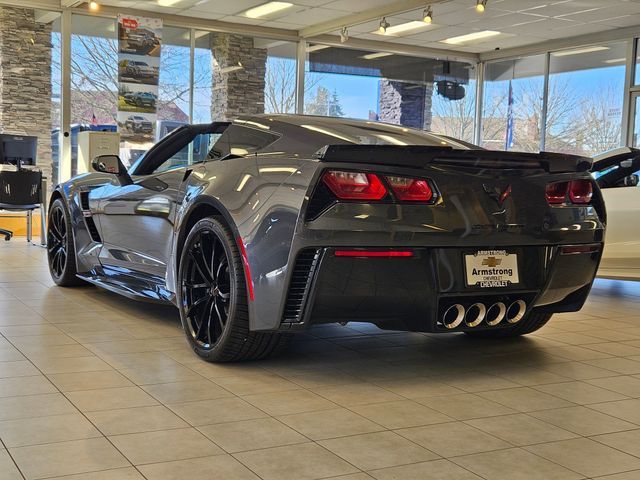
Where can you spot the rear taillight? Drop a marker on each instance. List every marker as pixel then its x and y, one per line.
pixel 410 189
pixel 354 185
pixel 578 192
pixel 556 193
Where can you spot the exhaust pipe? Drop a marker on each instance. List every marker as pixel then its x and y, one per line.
pixel 496 313
pixel 453 316
pixel 475 315
pixel 516 311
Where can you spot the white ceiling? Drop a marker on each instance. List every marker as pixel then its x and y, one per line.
pixel 522 22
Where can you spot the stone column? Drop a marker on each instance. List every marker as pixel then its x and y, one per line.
pixel 25 79
pixel 237 91
pixel 404 103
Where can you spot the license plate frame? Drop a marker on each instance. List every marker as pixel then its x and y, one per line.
pixel 496 268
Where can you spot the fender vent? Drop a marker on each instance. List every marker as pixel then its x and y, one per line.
pixel 88 220
pixel 300 285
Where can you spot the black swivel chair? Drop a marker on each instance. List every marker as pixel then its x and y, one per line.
pixel 19 191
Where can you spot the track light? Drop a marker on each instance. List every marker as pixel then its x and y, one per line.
pixel 481 6
pixel 344 35
pixel 94 6
pixel 382 29
pixel 427 15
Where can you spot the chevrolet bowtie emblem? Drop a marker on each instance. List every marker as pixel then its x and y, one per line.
pixel 491 262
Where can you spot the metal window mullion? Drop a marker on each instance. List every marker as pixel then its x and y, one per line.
pixel 545 102
pixel 64 140
pixel 301 59
pixel 629 88
pixel 477 134
pixel 192 49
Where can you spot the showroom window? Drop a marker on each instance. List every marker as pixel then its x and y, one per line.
pixel 585 100
pixel 416 92
pixel 280 76
pixel 512 104
pixel 174 86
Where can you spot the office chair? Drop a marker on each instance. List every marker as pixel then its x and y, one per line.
pixel 20 191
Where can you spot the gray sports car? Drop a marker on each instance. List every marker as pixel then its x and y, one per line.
pixel 263 226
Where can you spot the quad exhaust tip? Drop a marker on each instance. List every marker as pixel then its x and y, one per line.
pixel 496 313
pixel 516 311
pixel 478 312
pixel 453 316
pixel 475 315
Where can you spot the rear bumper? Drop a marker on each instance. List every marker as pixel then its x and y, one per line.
pixel 413 293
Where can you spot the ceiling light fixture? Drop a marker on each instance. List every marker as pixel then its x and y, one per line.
pixel 372 56
pixel 344 35
pixel 471 37
pixel 481 6
pixel 577 51
pixel 167 3
pixel 267 9
pixel 427 15
pixel 94 6
pixel 402 29
pixel 384 25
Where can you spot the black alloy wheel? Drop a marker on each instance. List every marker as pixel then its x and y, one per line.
pixel 60 249
pixel 213 300
pixel 207 289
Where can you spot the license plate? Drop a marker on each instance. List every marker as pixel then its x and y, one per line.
pixel 491 268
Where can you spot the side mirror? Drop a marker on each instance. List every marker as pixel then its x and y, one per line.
pixel 631 180
pixel 113 165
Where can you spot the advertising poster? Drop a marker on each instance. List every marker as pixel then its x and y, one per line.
pixel 139 43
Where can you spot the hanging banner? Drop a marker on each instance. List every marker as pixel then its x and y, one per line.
pixel 139 43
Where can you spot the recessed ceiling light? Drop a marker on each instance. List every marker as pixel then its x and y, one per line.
pixel 471 37
pixel 616 60
pixel 315 48
pixel 267 9
pixel 371 56
pixel 94 6
pixel 397 30
pixel 167 3
pixel 578 51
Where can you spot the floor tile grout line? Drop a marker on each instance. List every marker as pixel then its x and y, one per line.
pixel 12 459
pixel 88 420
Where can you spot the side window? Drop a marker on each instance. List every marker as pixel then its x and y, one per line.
pixel 194 152
pixel 239 141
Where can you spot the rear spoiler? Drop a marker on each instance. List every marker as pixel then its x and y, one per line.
pixel 419 156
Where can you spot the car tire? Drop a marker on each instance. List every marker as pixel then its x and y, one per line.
pixel 212 288
pixel 532 322
pixel 61 255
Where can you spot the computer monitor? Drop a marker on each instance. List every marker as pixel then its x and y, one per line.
pixel 18 150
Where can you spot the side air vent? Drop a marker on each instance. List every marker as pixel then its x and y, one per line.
pixel 300 285
pixel 86 213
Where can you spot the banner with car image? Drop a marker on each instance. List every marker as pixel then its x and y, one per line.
pixel 139 44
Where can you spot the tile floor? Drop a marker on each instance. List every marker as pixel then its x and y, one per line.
pixel 95 386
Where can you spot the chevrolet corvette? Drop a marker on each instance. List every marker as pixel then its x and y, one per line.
pixel 260 227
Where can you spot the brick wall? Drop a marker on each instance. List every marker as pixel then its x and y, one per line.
pixel 407 104
pixel 240 91
pixel 25 79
